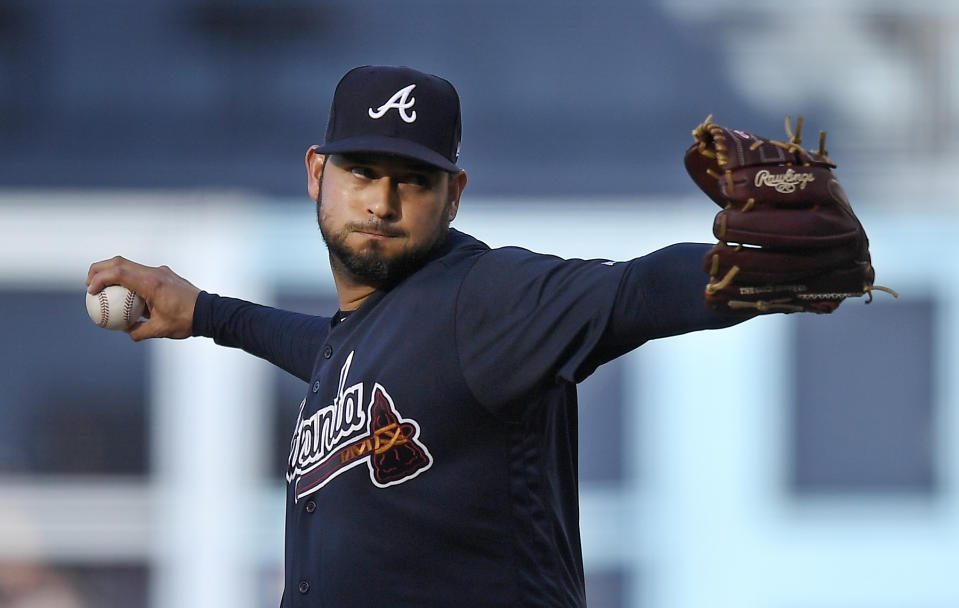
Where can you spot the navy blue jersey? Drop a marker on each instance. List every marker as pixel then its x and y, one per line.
pixel 433 460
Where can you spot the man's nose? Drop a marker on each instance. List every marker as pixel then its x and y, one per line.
pixel 384 199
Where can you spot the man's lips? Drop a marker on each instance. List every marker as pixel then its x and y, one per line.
pixel 375 233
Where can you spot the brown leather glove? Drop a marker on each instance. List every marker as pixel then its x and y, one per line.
pixel 788 238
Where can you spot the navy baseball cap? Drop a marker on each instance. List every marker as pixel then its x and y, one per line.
pixel 395 110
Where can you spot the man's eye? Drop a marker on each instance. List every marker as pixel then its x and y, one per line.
pixel 364 172
pixel 417 179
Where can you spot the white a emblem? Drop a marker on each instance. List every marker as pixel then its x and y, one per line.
pixel 400 100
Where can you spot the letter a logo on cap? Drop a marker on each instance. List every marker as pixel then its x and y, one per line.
pixel 400 100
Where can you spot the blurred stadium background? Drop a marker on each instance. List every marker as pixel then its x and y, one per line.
pixel 817 471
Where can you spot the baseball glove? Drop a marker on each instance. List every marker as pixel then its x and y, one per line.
pixel 788 238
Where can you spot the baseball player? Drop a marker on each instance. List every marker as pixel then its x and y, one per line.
pixel 433 459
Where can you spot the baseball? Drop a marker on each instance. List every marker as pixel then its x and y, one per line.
pixel 115 307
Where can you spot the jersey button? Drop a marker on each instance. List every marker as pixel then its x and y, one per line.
pixel 304 587
pixel 316 386
pixel 310 507
pixel 327 352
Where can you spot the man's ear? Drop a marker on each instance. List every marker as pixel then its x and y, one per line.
pixel 457 185
pixel 314 170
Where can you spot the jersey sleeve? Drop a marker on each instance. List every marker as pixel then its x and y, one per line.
pixel 660 295
pixel 286 339
pixel 523 319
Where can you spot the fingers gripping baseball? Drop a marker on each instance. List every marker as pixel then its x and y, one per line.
pixel 170 299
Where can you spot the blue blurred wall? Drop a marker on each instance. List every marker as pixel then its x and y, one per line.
pixel 558 97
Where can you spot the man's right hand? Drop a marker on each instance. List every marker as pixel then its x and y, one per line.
pixel 170 299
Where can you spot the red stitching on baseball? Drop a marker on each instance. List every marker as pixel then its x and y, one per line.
pixel 104 308
pixel 128 305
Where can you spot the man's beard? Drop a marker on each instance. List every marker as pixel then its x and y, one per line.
pixel 371 267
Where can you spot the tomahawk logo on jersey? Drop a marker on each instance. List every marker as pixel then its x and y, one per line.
pixel 344 435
